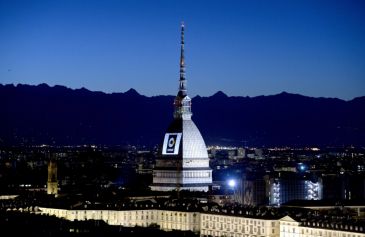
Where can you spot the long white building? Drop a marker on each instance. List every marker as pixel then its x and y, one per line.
pixel 167 220
pixel 211 224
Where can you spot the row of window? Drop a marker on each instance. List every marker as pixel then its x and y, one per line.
pixel 315 232
pixel 185 174
pixel 210 233
pixel 235 220
pixel 235 228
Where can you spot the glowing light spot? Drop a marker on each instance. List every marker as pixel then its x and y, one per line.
pixel 231 183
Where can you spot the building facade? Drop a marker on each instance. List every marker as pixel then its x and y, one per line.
pixel 230 225
pixel 183 162
pixel 166 219
pixel 291 228
pixel 292 187
pixel 211 224
pixel 52 182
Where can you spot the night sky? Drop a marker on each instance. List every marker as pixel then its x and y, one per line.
pixel 245 48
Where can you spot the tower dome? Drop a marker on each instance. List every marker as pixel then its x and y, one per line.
pixel 183 162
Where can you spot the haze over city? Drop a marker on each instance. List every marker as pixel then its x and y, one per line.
pixel 243 48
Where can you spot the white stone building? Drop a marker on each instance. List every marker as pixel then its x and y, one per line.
pixel 211 224
pixel 291 228
pixel 167 220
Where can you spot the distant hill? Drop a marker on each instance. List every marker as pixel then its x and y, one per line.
pixel 62 116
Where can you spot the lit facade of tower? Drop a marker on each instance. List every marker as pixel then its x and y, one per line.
pixel 183 162
pixel 52 183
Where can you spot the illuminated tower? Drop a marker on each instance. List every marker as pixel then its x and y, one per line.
pixel 52 184
pixel 183 162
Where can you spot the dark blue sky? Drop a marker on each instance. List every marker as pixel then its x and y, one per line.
pixel 314 48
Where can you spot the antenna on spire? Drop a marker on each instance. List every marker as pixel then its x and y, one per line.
pixel 182 101
pixel 182 86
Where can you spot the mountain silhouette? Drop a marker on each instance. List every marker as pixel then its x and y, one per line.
pixel 61 116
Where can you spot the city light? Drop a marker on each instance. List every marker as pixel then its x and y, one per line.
pixel 302 167
pixel 231 183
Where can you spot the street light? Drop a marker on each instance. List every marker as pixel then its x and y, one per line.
pixel 235 186
pixel 232 183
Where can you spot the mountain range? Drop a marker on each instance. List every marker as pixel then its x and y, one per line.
pixel 57 115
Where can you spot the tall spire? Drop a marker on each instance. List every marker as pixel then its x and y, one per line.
pixel 182 81
pixel 182 101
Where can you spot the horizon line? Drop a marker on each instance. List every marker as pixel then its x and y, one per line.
pixel 133 89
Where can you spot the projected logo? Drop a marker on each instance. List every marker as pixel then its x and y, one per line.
pixel 171 144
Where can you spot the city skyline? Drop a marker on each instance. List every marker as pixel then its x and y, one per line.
pixel 273 155
pixel 241 48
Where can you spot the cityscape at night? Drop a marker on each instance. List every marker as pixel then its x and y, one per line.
pixel 263 137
